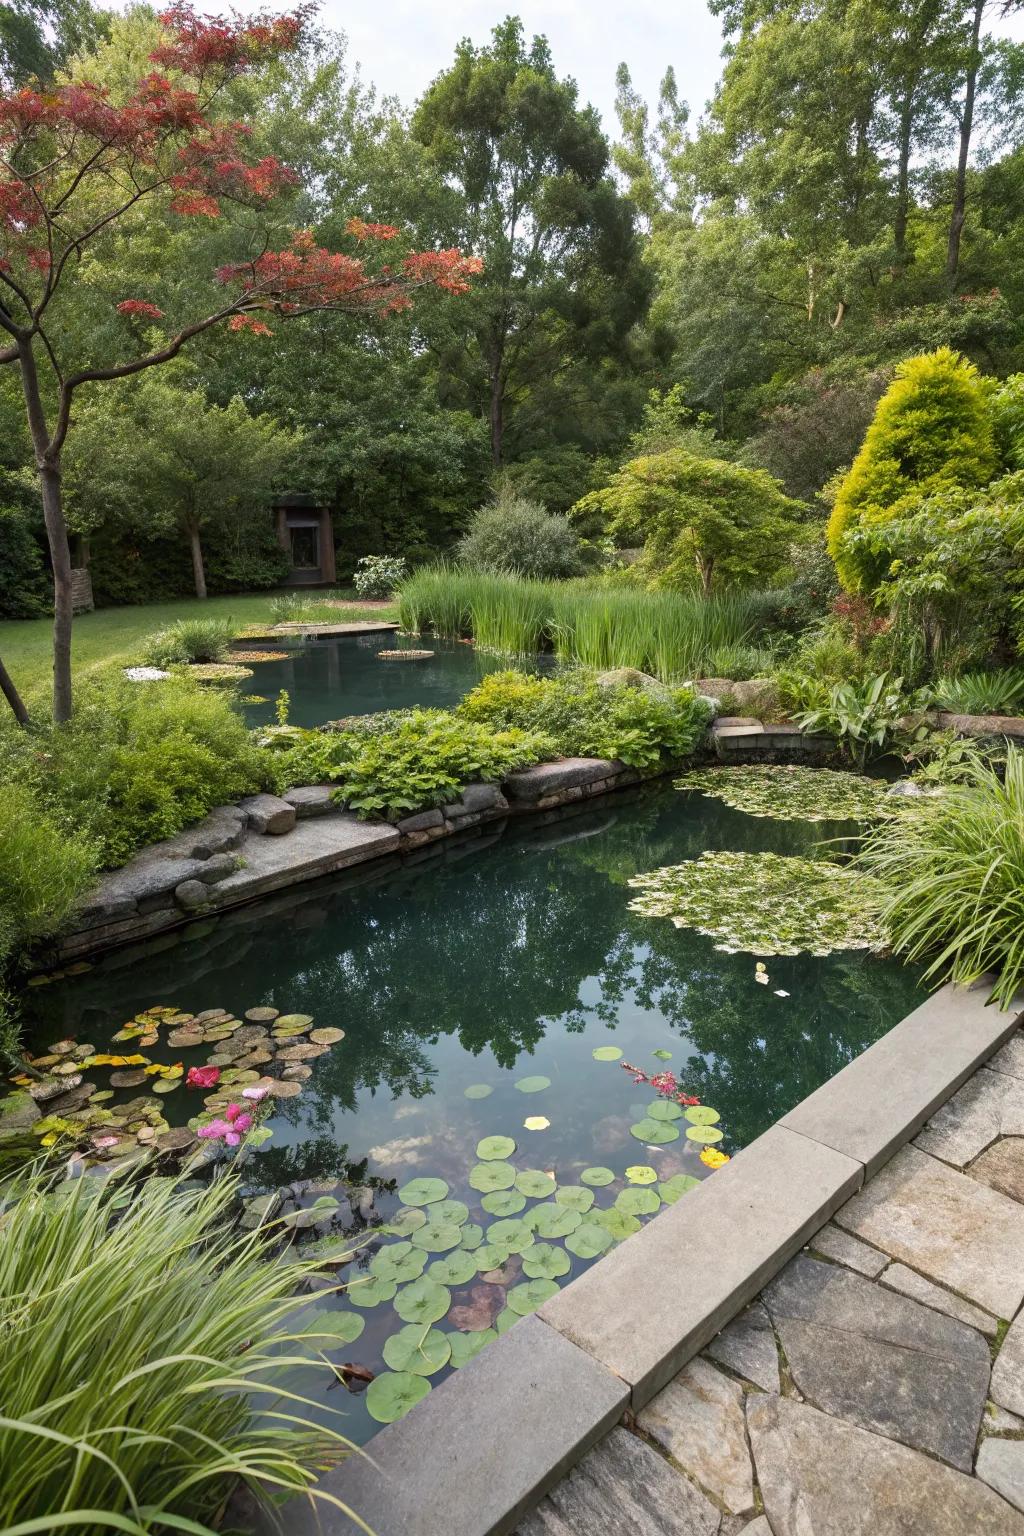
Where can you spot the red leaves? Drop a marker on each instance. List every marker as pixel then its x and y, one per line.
pixel 139 307
pixel 363 231
pixel 666 1083
pixel 198 45
pixel 251 324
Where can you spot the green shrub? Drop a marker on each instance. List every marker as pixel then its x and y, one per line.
pixel 954 869
pixel 587 719
pixel 932 431
pixel 44 869
pixel 982 693
pixel 25 591
pixel 867 717
pixel 378 576
pixel 1008 414
pixel 426 759
pixel 519 536
pixel 139 1330
pixel 300 608
pixel 189 640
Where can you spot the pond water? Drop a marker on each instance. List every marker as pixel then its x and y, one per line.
pixel 510 957
pixel 328 679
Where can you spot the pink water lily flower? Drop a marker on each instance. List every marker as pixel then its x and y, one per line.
pixel 255 1093
pixel 215 1130
pixel 202 1077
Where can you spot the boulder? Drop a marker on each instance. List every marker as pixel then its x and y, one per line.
pixel 423 821
pixel 630 677
pixel 192 895
pixel 217 868
pixel 474 799
pixel 18 1113
pixel 311 800
pixel 269 814
pixel 537 783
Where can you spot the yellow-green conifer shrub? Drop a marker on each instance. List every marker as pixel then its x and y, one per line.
pixel 933 430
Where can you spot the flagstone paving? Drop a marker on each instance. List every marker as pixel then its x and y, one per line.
pixel 876 1386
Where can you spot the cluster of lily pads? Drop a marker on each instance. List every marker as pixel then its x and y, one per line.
pixel 766 903
pixel 264 1055
pixel 511 1260
pixel 792 793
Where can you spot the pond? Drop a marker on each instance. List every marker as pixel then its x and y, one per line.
pixel 329 679
pixel 474 988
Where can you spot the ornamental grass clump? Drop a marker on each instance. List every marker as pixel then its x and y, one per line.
pixel 189 640
pixel 952 867
pixel 143 1340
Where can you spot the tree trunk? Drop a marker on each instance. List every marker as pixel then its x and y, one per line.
pixel 899 223
pixel 196 548
pixel 959 214
pixel 12 696
pixel 48 468
pixel 497 412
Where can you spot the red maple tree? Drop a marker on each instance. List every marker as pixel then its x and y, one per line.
pixel 77 168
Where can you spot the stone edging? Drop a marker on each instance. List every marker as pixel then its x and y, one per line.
pixel 457 1466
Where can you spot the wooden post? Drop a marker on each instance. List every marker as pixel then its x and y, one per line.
pixel 328 565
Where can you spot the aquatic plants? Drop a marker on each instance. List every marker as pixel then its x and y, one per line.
pixel 189 640
pixel 767 904
pixel 138 1328
pixel 951 869
pixel 791 793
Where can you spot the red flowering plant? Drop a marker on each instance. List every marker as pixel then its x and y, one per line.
pixel 82 169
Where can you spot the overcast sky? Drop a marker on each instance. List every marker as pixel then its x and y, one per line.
pixel 404 45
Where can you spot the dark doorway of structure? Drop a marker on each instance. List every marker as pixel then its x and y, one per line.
pixel 306 549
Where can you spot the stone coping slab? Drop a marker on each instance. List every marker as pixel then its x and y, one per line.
pixel 473 1457
pixel 654 1302
pixel 883 1097
pixel 314 847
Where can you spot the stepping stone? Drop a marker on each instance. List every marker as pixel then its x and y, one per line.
pixel 1007 1387
pixel 945 1225
pixel 999 1422
pixel 1002 1167
pixel 989 1105
pixel 1010 1057
pixel 880 1360
pixel 820 1476
pixel 698 1420
pixel 898 1278
pixel 747 1346
pixel 836 1244
pixel 623 1486
pixel 1001 1465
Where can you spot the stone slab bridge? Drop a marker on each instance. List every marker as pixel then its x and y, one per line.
pixel 825 1339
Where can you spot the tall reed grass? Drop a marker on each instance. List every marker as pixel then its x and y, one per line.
pixel 667 634
pixel 137 1329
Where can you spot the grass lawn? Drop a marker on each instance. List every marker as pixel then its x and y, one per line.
pixel 114 634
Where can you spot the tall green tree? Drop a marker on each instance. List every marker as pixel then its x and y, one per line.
pixel 563 281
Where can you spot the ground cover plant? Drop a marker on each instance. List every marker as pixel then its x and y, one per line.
pixel 139 1328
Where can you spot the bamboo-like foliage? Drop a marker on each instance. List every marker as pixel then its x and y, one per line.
pixel 954 868
pixel 135 1331
pixel 668 634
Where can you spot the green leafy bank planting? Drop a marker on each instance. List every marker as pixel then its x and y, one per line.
pixel 139 1327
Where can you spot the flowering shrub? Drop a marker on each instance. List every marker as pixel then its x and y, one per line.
pixel 378 575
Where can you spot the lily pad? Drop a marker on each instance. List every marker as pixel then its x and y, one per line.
pixel 424 1301
pixel 346 1326
pixel 641 1174
pixel 493 1148
pixel 423 1191
pixel 589 1240
pixel 638 1202
pixel 490 1176
pixel 662 1055
pixel 454 1211
pixel 526 1298
pixel 503 1202
pixel 369 1291
pixel 619 1223
pixel 674 1188
pixel 598 1177
pixel 329 1036
pixel 472 1236
pixel 534 1184
pixel 655 1132
pixel 417 1349
pixel 400 1262
pixel 505 1320
pixel 533 1084
pixel 702 1114
pixel 490 1256
pixel 298 1021
pixel 575 1197
pixel 391 1394
pixel 466 1346
pixel 543 1261
pixel 705 1134
pixel 664 1109
pixel 512 1235
pixel 606 1053
pixel 536 1123
pixel 477 1091
pixel 437 1236
pixel 456 1268
pixel 407 1220
pixel 551 1220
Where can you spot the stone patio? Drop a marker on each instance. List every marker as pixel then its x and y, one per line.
pixel 874 1388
